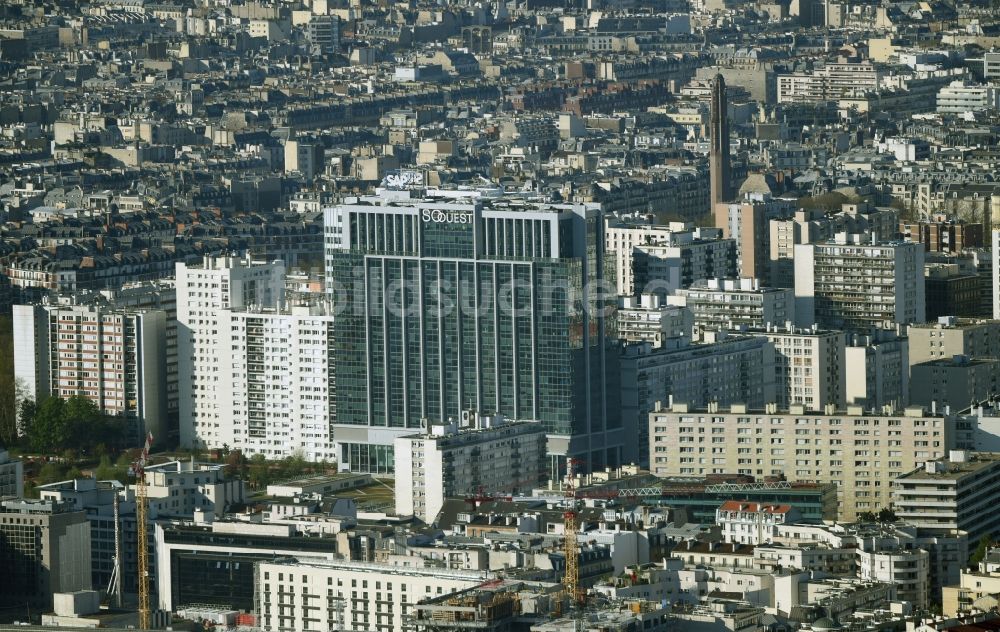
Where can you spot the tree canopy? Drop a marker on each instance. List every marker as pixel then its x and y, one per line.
pixel 57 425
pixel 980 552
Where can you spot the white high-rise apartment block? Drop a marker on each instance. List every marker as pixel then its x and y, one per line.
pixel 277 385
pixel 114 357
pixel 203 292
pixel 850 283
pixel 652 258
pixel 829 82
pixel 448 462
pixel 721 304
pixel 812 226
pixel 808 366
pixel 349 595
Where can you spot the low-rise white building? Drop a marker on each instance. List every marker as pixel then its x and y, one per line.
pixel 960 97
pixel 490 454
pixel 752 523
pixel 180 488
pixel 909 569
pixel 326 595
pixel 958 491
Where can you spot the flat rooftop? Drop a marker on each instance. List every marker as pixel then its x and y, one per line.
pixel 952 470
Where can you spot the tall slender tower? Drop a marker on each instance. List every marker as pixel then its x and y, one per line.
pixel 718 157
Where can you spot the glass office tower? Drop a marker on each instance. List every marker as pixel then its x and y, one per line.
pixel 453 302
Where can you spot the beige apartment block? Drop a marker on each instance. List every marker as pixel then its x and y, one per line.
pixel 950 337
pixel 861 451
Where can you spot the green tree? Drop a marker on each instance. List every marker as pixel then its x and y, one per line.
pixel 52 472
pixel 83 422
pixel 126 458
pixel 26 418
pixel 237 464
pixel 259 472
pixel 980 552
pixel 10 388
pixel 107 471
pixel 75 425
pixel 887 515
pixel 48 430
pixel 867 516
pixel 827 202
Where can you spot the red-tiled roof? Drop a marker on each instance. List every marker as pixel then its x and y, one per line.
pixel 741 505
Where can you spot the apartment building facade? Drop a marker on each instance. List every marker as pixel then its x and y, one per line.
pixel 958 490
pixel 313 595
pixel 280 382
pixel 859 451
pixel 203 292
pixel 487 455
pixel 949 337
pixel 658 259
pixel 114 357
pixel 809 366
pixel 727 369
pixel 877 370
pixel 727 304
pixel 850 283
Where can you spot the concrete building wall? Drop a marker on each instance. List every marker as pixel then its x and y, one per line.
pixel 854 285
pixel 202 292
pixel 877 373
pixel 491 457
pixel 47 550
pixel 280 387
pixel 959 383
pixel 11 476
pixel 951 337
pixel 828 446
pixel 31 352
pixel 373 596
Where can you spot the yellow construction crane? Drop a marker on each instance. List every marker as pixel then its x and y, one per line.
pixel 571 548
pixel 141 509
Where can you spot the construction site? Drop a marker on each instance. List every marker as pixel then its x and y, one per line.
pixel 516 606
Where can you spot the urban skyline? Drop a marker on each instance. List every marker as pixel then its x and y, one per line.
pixel 512 316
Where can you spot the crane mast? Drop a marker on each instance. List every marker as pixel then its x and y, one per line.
pixel 141 511
pixel 571 548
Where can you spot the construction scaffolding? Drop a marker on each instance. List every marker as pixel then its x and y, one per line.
pixel 489 610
